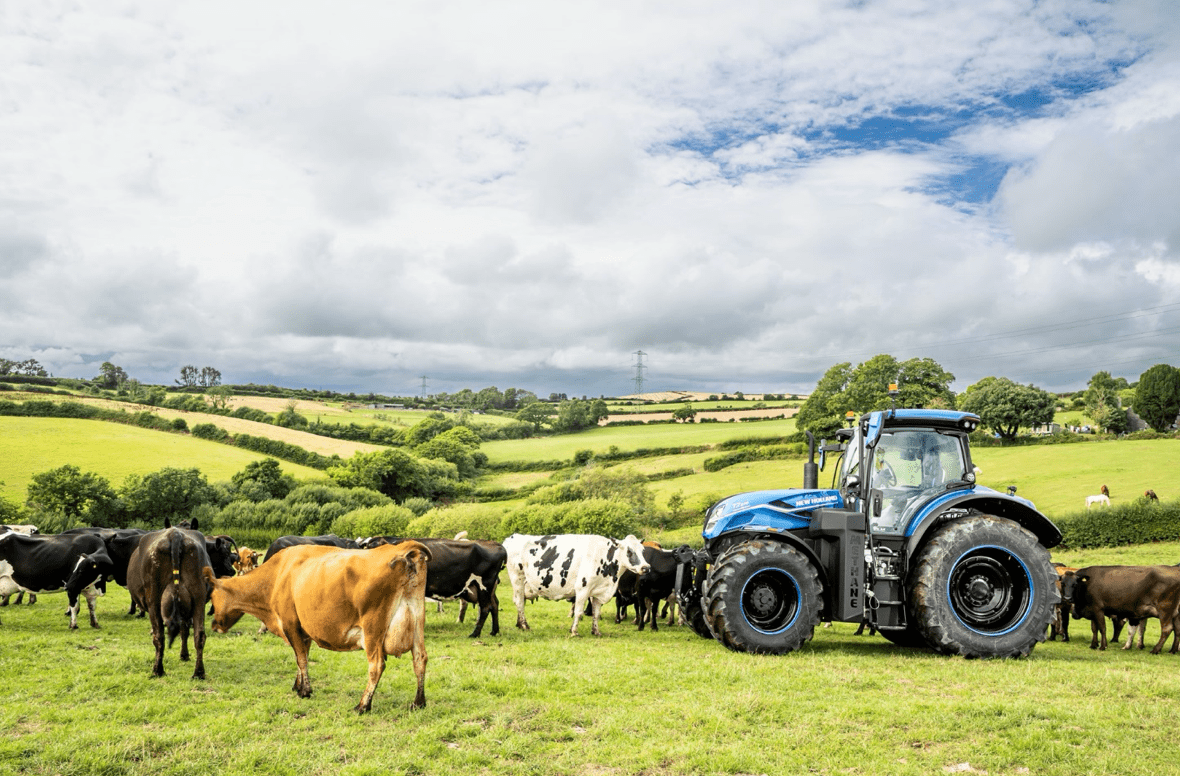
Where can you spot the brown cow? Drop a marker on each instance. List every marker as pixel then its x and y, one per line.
pixel 1134 592
pixel 342 600
pixel 247 560
pixel 164 579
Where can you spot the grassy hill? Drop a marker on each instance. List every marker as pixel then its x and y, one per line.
pixel 32 445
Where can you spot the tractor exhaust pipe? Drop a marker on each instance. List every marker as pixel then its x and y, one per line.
pixel 810 469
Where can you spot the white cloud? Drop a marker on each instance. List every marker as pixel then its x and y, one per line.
pixel 357 194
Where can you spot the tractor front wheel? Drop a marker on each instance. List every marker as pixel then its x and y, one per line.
pixel 762 596
pixel 983 587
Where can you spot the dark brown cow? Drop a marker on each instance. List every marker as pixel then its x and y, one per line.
pixel 164 579
pixel 342 600
pixel 1134 592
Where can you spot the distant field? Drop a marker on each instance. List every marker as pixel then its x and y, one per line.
pixel 29 446
pixel 1059 477
pixel 632 438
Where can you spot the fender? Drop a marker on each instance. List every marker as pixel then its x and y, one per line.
pixel 985 501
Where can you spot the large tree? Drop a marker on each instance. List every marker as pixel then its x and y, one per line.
pixel 1157 397
pixel 922 382
pixel 168 493
pixel 1005 407
pixel 1102 393
pixel 73 496
pixel 823 412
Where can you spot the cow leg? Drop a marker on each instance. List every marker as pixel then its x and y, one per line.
pixel 158 629
pixel 90 599
pixel 485 608
pixel 184 653
pixel 301 645
pixel 597 612
pixel 577 614
pixel 518 601
pixel 418 653
pixel 199 644
pixel 653 608
pixel 72 611
pixel 375 650
pixel 462 609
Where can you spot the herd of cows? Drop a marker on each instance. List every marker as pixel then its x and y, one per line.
pixel 339 593
pixel 370 594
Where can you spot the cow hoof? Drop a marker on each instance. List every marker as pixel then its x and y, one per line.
pixel 361 708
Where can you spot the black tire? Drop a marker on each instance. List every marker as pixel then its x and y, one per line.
pixel 983 587
pixel 763 596
pixel 695 615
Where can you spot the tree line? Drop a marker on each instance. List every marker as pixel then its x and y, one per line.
pixel 1004 406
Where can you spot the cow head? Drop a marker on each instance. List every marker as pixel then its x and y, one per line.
pixel 224 616
pixel 1074 592
pixel 631 556
pixel 247 560
pixel 222 555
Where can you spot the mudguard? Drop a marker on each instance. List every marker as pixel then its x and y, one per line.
pixel 984 501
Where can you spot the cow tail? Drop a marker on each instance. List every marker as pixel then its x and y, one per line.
pixel 175 612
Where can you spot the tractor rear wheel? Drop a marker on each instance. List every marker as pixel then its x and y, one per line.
pixel 762 596
pixel 983 587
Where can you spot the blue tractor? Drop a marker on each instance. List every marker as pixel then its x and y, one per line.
pixel 905 540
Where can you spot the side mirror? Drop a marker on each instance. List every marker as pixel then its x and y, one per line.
pixel 823 458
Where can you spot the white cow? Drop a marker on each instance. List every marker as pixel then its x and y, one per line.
pixel 570 567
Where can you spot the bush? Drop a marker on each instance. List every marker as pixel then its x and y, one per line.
pixel 480 521
pixel 593 516
pixel 179 424
pixel 1136 523
pixel 419 506
pixel 388 520
pixel 210 432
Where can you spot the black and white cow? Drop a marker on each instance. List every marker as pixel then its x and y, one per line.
pixel 460 569
pixel 283 542
pixel 45 564
pixel 27 530
pixel 570 567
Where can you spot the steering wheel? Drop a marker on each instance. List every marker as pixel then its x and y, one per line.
pixel 886 475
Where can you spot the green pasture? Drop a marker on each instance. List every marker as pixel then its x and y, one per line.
pixel 1057 478
pixel 628 438
pixel 619 408
pixel 541 702
pixel 29 446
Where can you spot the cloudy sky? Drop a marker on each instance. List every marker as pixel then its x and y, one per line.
pixel 354 195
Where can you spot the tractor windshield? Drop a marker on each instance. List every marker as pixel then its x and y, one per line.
pixel 909 468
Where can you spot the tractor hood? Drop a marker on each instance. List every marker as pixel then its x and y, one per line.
pixel 768 510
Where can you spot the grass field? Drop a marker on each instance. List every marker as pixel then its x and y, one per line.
pixel 541 702
pixel 632 438
pixel 29 446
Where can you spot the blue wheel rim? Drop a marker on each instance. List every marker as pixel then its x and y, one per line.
pixel 770 601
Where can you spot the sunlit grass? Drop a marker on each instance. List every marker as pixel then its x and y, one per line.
pixel 541 702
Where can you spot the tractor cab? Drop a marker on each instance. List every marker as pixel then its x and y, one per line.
pixel 909 464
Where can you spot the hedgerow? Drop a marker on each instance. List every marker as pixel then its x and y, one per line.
pixel 1139 522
